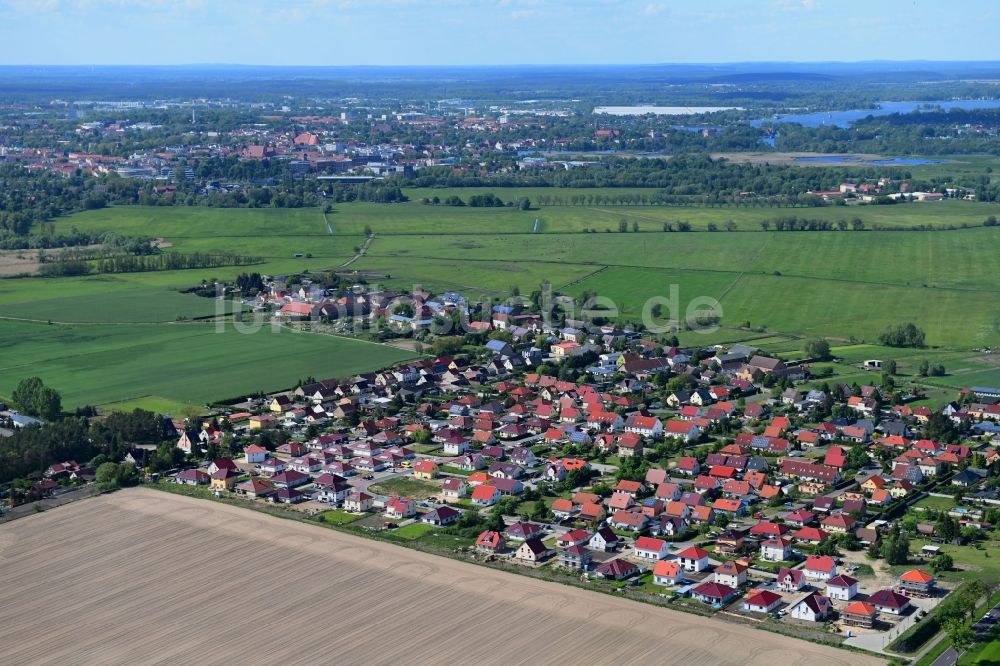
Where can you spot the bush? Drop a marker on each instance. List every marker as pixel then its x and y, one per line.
pixel 902 335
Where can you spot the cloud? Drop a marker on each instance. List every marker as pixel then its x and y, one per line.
pixel 654 8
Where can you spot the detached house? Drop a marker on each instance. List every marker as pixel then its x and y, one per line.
pixel 713 593
pixel 761 601
pixel 820 567
pixel 648 548
pixel 453 489
pixel 400 508
pixel 814 608
pixel 790 580
pixel 647 426
pixel 842 587
pixel 693 559
pixel 533 550
pixel 667 573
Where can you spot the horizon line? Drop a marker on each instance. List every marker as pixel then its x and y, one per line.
pixel 525 64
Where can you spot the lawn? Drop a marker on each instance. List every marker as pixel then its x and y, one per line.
pixel 188 362
pixel 970 562
pixel 406 486
pixel 987 652
pixel 412 531
pixel 338 517
pixel 935 503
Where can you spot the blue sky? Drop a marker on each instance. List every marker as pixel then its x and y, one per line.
pixel 470 32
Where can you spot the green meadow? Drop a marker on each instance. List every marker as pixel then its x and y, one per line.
pixel 153 364
pixel 125 341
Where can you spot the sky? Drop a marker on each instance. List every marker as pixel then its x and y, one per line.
pixel 492 32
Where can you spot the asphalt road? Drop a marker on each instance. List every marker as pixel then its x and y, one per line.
pixel 982 626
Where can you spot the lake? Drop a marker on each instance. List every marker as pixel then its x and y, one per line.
pixel 852 160
pixel 845 118
pixel 661 110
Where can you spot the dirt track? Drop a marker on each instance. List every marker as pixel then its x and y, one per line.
pixel 142 576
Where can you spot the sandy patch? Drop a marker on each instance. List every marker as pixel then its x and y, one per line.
pixel 147 577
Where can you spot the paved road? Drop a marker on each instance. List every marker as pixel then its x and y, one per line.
pixel 947 658
pixel 982 626
pixel 61 497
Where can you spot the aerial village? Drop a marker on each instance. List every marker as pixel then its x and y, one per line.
pixel 714 479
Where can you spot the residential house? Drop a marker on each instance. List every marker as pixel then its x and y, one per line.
pixel 916 583
pixel 575 557
pixel 820 567
pixel 842 587
pixel 761 601
pixel 485 495
pixel 775 549
pixel 425 469
pixel 693 559
pixel 255 454
pixel 713 593
pixel 648 548
pixel 192 477
pixel 733 574
pixel 359 502
pixel 888 601
pixel 223 479
pixel 441 516
pixel 604 540
pixel 616 569
pixel 521 530
pixel 859 614
pixel 400 508
pixel 813 608
pixel 255 488
pixel 454 489
pixel 790 580
pixel 533 550
pixel 490 542
pixel 573 538
pixel 667 573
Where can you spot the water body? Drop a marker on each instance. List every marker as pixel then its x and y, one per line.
pixel 845 118
pixel 695 128
pixel 645 110
pixel 852 160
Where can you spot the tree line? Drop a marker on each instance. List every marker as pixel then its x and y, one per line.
pixel 128 263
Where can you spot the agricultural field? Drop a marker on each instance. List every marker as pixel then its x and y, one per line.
pixel 175 363
pixel 116 552
pixel 847 286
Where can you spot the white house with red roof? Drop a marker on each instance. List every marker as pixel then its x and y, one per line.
pixel 761 601
pixel 813 608
pixel 775 549
pixel 713 593
pixel 842 587
pixel 685 430
pixel 647 426
pixel 400 508
pixel 649 548
pixel 359 502
pixel 888 601
pixel 820 567
pixel 790 580
pixel 667 573
pixel 485 495
pixel 255 454
pixel 693 559
pixel 454 489
pixel 573 538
